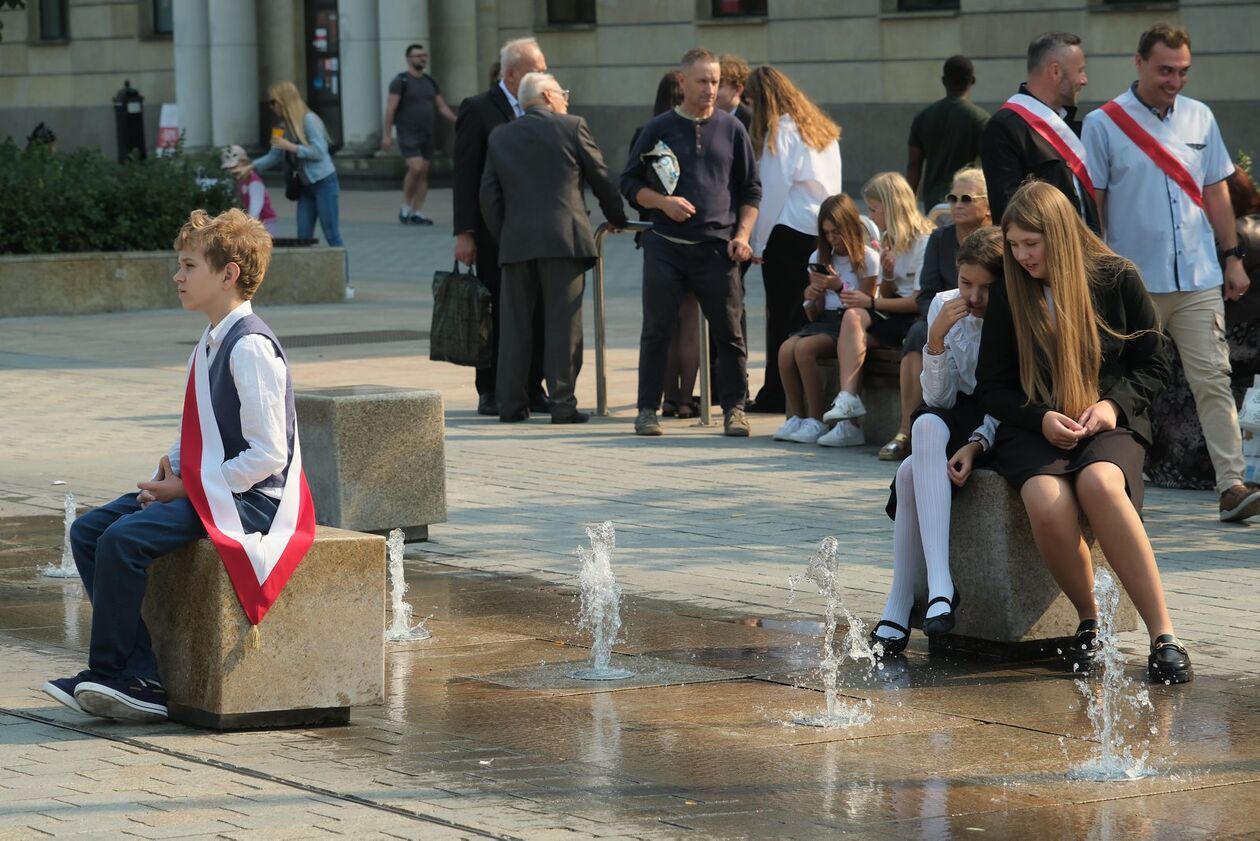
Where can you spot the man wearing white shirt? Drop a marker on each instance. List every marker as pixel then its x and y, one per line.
pixel 1159 165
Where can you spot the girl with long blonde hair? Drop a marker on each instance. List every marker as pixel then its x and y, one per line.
pixel 1070 359
pixel 885 319
pixel 842 261
pixel 301 142
pixel 799 165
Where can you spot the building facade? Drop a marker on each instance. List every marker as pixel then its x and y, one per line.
pixel 871 63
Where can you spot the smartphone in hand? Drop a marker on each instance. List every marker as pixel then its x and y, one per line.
pixel 821 268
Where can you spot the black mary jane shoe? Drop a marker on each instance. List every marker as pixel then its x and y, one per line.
pixel 888 646
pixel 944 623
pixel 1169 662
pixel 1084 647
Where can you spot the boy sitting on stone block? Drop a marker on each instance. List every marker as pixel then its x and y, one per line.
pixel 233 473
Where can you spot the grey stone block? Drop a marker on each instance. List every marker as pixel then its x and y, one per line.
pixel 321 647
pixel 1008 595
pixel 881 395
pixel 374 456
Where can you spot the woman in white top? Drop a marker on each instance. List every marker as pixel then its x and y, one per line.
pixel 950 433
pixel 842 262
pixel 799 165
pixel 883 320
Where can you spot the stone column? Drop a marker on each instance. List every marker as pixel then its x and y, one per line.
pixel 488 40
pixel 401 22
pixel 234 94
pixel 192 71
pixel 454 51
pixel 362 91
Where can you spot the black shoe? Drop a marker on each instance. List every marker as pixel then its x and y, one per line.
pixel 1169 662
pixel 943 624
pixel 515 417
pixel 487 405
pixel 889 646
pixel 1085 646
pixel 127 698
pixel 573 417
pixel 62 689
pixel 539 404
pixel 420 219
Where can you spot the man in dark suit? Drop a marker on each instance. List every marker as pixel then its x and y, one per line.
pixel 531 199
pixel 478 116
pixel 1036 133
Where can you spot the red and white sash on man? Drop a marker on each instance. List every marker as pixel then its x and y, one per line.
pixel 1155 140
pixel 259 565
pixel 1044 120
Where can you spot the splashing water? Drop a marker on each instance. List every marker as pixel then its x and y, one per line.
pixel 66 569
pixel 823 571
pixel 601 603
pixel 1119 706
pixel 400 629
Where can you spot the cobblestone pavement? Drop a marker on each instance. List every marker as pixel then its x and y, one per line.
pixel 705 523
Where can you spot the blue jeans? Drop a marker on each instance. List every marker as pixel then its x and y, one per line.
pixel 114 546
pixel 320 201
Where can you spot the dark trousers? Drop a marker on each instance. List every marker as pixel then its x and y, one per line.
pixel 113 546
pixel 488 273
pixel 669 270
pixel 556 285
pixel 786 258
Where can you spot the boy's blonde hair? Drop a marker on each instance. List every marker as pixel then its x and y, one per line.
pixel 231 237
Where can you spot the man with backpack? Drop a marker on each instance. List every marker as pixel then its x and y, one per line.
pixel 411 109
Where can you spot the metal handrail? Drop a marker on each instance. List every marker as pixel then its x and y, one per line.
pixel 601 382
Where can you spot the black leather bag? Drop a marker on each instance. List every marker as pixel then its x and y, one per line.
pixel 292 177
pixel 462 319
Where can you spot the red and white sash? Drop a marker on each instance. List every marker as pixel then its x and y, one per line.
pixel 1141 126
pixel 259 565
pixel 1044 120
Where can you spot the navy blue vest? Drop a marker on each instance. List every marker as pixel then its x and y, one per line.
pixel 227 403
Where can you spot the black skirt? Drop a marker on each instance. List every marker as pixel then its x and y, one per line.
pixel 890 332
pixel 963 419
pixel 1021 454
pixel 826 324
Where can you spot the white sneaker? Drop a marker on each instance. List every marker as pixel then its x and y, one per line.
pixel 784 433
pixel 846 406
pixel 809 431
pixel 844 434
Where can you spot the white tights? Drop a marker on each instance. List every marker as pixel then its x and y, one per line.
pixel 921 530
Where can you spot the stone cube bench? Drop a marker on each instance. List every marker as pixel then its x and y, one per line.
pixel 321 647
pixel 881 392
pixel 1011 605
pixel 374 457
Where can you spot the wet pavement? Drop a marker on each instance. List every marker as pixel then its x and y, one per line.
pixel 485 734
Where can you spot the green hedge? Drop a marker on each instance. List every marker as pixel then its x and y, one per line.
pixel 65 202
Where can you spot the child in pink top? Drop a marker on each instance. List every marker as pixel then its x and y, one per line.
pixel 250 189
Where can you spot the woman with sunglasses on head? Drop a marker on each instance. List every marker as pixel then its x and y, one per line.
pixel 1070 358
pixel 304 137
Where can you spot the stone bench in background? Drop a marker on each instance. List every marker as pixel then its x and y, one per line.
pixel 881 392
pixel 321 647
pixel 1011 605
pixel 374 457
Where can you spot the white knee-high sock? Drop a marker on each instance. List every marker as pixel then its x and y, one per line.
pixel 907 553
pixel 932 491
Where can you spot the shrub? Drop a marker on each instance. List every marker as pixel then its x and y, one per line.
pixel 65 202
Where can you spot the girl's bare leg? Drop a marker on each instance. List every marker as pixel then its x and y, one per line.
pixel 1055 518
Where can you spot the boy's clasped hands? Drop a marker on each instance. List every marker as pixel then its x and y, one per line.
pixel 1065 433
pixel 165 487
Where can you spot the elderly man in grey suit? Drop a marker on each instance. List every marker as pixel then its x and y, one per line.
pixel 531 198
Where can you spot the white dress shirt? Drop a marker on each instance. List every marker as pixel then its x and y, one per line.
pixel 908 265
pixel 1150 219
pixel 795 179
pixel 849 279
pixel 260 376
pixel 946 374
pixel 516 106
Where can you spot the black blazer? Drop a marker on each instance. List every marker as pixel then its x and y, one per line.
pixel 1131 374
pixel 478 116
pixel 1010 152
pixel 531 190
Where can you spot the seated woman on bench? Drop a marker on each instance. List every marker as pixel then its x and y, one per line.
pixel 951 423
pixel 1070 359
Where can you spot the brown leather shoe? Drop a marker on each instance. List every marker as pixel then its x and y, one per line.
pixel 1240 502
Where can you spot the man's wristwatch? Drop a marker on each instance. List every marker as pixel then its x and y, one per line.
pixel 1239 251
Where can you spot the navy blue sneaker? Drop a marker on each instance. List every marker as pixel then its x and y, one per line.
pixel 125 698
pixel 62 689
